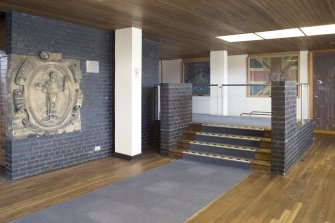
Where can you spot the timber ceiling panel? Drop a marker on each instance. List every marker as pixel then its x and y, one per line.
pixel 187 28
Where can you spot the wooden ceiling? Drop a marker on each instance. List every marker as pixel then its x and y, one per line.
pixel 187 28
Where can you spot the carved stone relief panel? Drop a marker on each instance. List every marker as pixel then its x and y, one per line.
pixel 45 95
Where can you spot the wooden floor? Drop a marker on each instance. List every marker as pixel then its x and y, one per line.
pixel 306 194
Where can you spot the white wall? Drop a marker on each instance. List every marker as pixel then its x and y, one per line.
pixel 171 71
pixel 238 102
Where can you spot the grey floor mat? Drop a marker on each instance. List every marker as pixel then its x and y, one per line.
pixel 169 193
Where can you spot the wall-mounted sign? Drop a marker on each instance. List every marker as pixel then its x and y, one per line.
pixel 92 66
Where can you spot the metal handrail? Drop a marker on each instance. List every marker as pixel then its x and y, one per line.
pixel 236 85
pixel 249 85
pixel 256 113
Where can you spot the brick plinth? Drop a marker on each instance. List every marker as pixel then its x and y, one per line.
pixel 176 113
pixel 289 138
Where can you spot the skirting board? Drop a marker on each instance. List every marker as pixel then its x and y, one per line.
pixel 127 157
pixel 321 131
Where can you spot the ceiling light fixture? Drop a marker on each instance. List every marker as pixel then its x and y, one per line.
pixel 283 33
pixel 240 37
pixel 319 30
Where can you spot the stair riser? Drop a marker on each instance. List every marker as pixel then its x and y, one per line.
pixel 182 145
pixel 263 156
pixel 261 168
pixel 265 145
pixel 217 161
pixel 222 151
pixel 195 127
pixel 234 131
pixel 189 136
pixel 231 141
pixel 175 155
pixel 267 134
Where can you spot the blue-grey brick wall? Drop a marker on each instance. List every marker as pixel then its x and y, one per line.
pixel 303 140
pixel 150 79
pixel 29 35
pixel 176 113
pixel 2 31
pixel 289 139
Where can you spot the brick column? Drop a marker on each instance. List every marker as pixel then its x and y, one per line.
pixel 283 95
pixel 176 113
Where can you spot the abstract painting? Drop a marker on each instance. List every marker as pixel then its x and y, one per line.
pixel 197 72
pixel 266 68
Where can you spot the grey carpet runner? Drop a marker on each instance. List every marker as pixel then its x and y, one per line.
pixel 170 193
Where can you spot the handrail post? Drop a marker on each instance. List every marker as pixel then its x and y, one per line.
pixel 217 100
pixel 308 100
pixel 301 104
pixel 222 100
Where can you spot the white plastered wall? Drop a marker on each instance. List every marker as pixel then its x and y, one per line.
pixel 237 101
pixel 171 71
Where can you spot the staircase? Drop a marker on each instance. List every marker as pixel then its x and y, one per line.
pixel 237 146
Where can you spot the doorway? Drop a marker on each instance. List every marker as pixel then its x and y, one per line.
pixel 323 72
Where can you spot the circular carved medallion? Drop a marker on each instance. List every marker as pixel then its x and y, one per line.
pixel 50 97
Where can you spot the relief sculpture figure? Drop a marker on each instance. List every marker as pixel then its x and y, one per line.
pixel 46 96
pixel 52 90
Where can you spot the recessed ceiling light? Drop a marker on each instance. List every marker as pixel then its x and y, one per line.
pixel 283 33
pixel 319 30
pixel 240 37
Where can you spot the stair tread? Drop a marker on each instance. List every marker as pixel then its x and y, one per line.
pixel 261 150
pixel 251 138
pixel 190 131
pixel 177 150
pixel 261 162
pixel 184 140
pixel 215 156
pixel 229 146
pixel 235 127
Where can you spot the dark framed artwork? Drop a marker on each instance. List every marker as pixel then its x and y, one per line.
pixel 262 69
pixel 197 72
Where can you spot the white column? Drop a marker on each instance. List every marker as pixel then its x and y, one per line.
pixel 219 75
pixel 303 70
pixel 128 91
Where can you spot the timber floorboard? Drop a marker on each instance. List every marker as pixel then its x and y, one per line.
pixel 24 196
pixel 305 195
